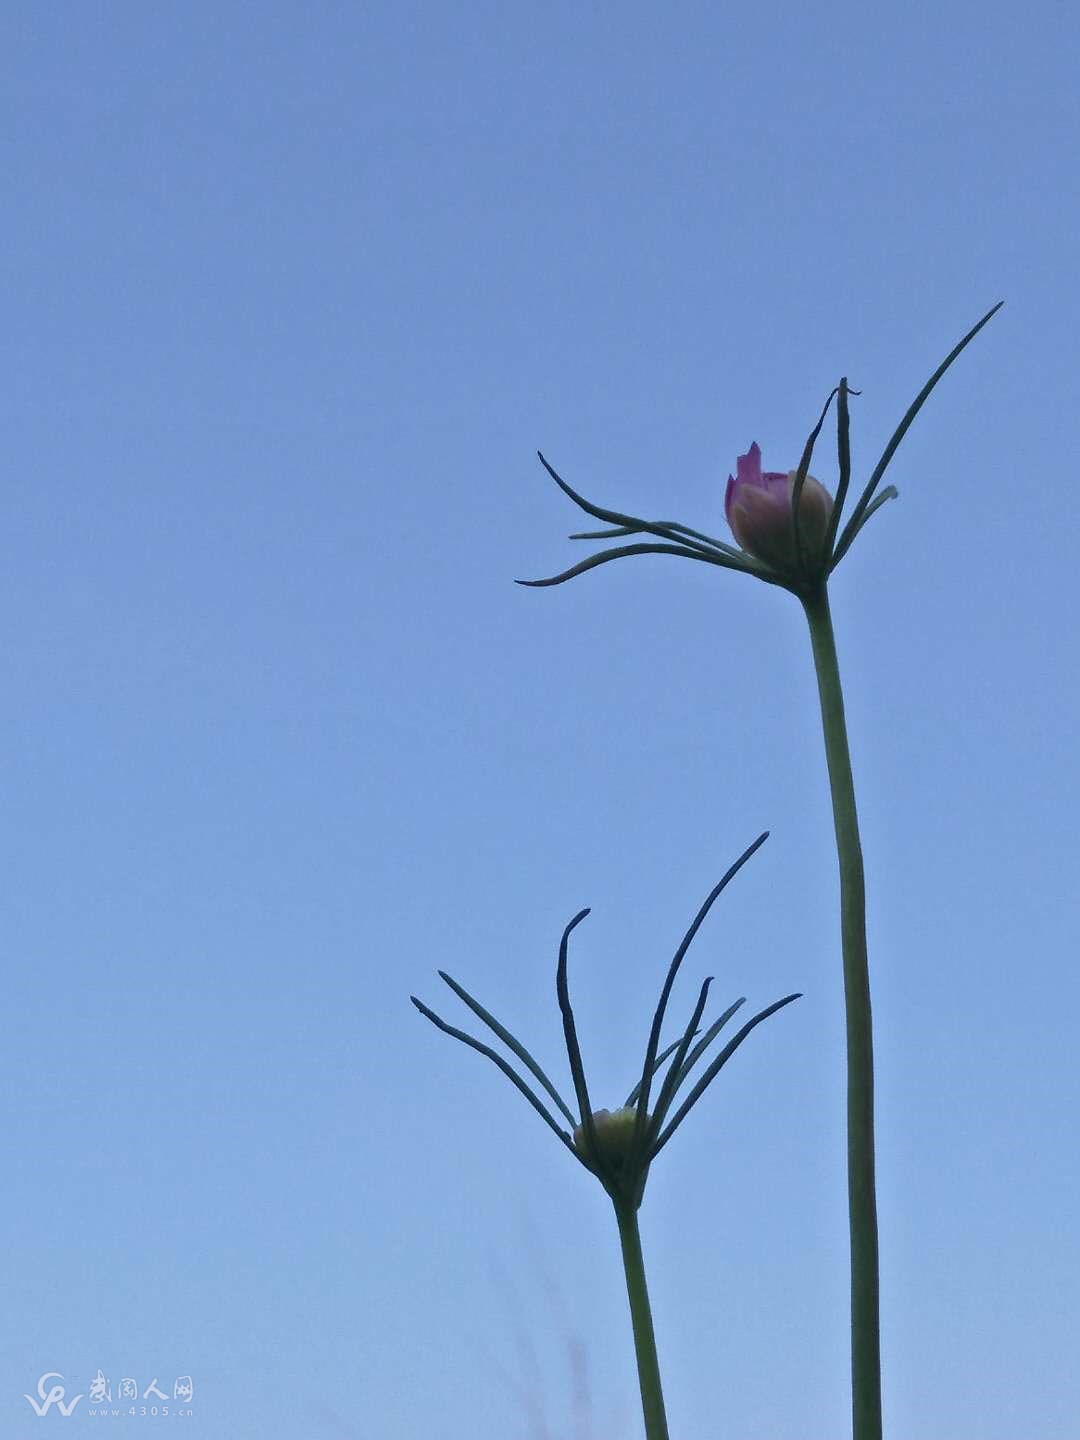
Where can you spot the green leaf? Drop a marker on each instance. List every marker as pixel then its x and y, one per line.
pixel 800 478
pixel 852 527
pixel 631 1099
pixel 673 970
pixel 706 1040
pixel 573 1049
pixel 704 547
pixel 507 1069
pixel 617 532
pixel 668 530
pixel 619 552
pixel 671 1079
pixel 510 1041
pixel 889 493
pixel 714 1069
pixel 843 456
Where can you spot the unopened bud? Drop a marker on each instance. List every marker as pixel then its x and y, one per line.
pixel 614 1135
pixel 759 509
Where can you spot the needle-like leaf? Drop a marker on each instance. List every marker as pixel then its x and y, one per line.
pixel 611 517
pixel 620 551
pixel 668 530
pixel 721 545
pixel 511 1041
pixel 573 1049
pixel 852 526
pixel 617 532
pixel 706 1040
pixel 673 970
pixel 713 1070
pixel 843 457
pixel 507 1069
pixel 671 1079
pixel 635 525
pixel 631 1099
pixel 889 493
pixel 800 477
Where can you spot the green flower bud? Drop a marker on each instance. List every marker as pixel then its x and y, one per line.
pixel 614 1136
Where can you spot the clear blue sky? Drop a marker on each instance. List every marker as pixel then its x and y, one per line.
pixel 292 294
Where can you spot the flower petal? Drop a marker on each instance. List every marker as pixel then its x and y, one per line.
pixel 748 466
pixel 729 495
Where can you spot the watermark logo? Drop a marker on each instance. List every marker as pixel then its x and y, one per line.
pixel 53 1396
pixel 157 1402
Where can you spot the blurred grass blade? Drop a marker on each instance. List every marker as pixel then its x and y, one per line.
pixel 714 1069
pixel 510 1041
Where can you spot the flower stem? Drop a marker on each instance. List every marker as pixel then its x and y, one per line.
pixel 652 1395
pixel 862 1203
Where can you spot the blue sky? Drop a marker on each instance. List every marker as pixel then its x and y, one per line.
pixel 292 295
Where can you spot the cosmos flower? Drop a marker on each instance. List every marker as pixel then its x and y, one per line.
pixel 760 510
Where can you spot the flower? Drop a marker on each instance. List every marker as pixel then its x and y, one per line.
pixel 758 506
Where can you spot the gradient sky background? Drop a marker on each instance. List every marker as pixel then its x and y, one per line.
pixel 292 294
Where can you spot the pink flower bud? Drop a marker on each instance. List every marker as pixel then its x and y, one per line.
pixel 614 1135
pixel 759 510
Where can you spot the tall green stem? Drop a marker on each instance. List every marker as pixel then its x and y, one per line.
pixel 652 1395
pixel 862 1202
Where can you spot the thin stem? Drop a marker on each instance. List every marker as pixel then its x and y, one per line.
pixel 652 1395
pixel 862 1203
